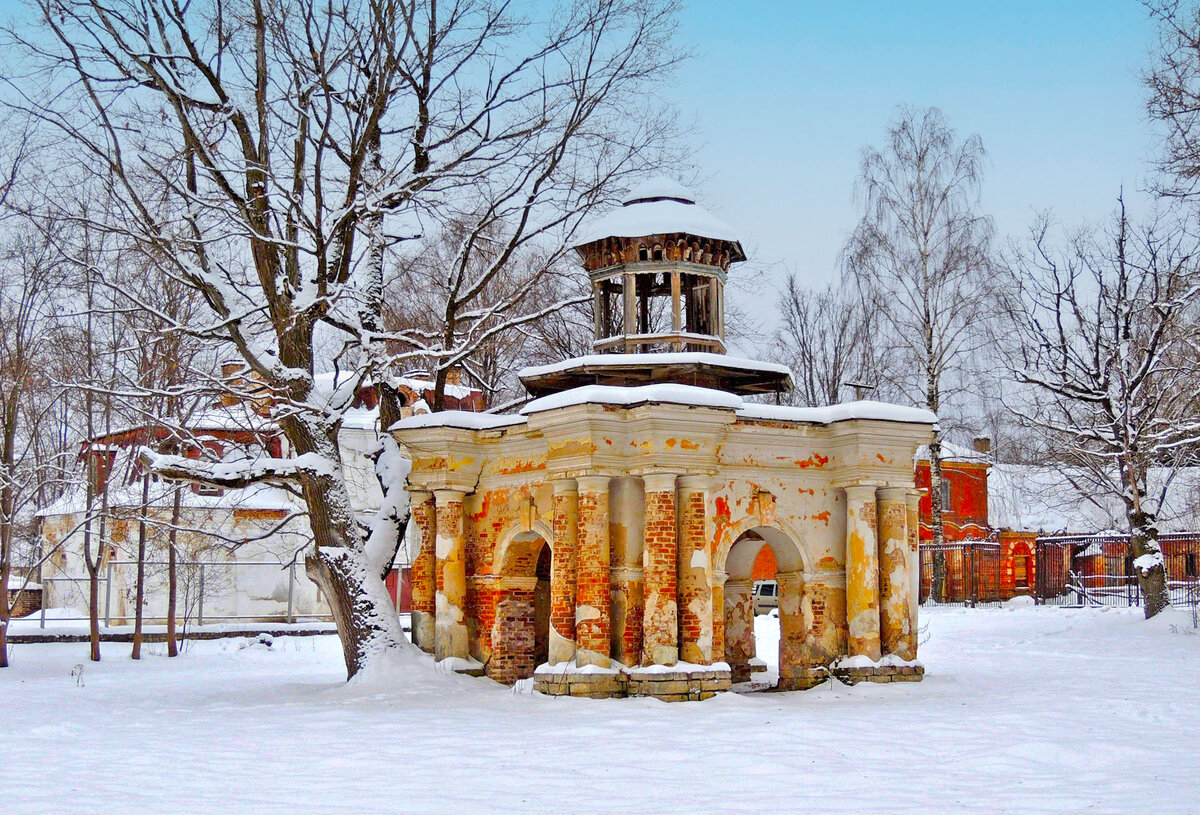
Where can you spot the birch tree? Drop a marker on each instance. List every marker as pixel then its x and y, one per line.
pixel 1107 323
pixel 273 153
pixel 921 259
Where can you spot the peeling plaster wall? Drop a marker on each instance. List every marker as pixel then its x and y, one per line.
pixel 732 477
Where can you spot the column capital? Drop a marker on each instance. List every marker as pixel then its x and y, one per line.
pixel 694 482
pixel 593 483
pixel 796 576
pixel 659 482
pixel 717 577
pixel 860 491
pixel 419 496
pixel 564 486
pixel 449 496
pixel 893 494
pixel 912 496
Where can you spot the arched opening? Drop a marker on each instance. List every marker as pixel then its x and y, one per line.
pixel 521 633
pixel 766 633
pixel 1021 567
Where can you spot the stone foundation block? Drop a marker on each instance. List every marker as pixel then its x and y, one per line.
pixel 885 673
pixel 669 686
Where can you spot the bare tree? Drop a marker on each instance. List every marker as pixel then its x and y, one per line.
pixel 920 257
pixel 30 458
pixel 1174 100
pixel 1108 324
pixel 272 154
pixel 827 341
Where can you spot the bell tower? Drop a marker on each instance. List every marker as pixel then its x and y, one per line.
pixel 657 265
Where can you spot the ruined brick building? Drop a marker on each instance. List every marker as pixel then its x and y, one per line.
pixel 603 539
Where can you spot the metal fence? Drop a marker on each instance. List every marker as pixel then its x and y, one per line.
pixel 962 573
pixel 1097 570
pixel 1074 570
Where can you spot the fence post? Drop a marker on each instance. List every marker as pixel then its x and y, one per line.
pixel 291 587
pixel 108 595
pixel 200 608
pixel 42 623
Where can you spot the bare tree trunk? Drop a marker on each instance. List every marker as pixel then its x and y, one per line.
pixel 140 596
pixel 1148 562
pixel 93 605
pixel 937 583
pixel 172 576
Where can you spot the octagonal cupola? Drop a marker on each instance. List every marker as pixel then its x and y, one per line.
pixel 657 266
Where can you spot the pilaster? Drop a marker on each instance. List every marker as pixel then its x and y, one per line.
pixel 862 572
pixel 450 624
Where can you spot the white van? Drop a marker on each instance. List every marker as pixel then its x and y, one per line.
pixel 766 596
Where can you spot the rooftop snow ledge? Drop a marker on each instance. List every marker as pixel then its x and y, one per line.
pixel 847 411
pixel 615 395
pixel 670 358
pixel 459 418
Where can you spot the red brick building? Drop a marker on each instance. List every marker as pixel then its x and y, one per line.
pixel 1002 564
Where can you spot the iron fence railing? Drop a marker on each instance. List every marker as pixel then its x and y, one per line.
pixel 962 573
pixel 1068 570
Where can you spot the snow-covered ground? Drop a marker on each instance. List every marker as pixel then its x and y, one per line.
pixel 1022 710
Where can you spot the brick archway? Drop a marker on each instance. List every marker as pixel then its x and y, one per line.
pixel 521 628
pixel 794 623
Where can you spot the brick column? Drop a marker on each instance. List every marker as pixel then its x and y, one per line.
pixel 423 573
pixel 739 627
pixel 895 632
pixel 592 573
pixel 660 630
pixel 862 572
pixel 696 597
pixel 450 625
pixel 912 506
pixel 562 571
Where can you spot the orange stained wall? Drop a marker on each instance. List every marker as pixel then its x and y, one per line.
pixel 967 515
pixel 764 564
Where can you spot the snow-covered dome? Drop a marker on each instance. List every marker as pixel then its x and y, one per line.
pixel 658 188
pixel 659 206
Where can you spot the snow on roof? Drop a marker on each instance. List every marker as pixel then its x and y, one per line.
pixel 845 411
pixel 659 187
pixel 1046 499
pixel 458 418
pixel 127 496
pixel 659 206
pixel 616 395
pixel 678 358
pixel 954 452
pixel 17 582
pixel 326 383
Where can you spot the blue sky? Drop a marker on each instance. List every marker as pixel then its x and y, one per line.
pixel 786 95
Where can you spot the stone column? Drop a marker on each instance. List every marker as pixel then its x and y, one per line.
pixel 794 625
pixel 592 573
pixel 912 505
pixel 450 626
pixel 895 631
pixel 423 573
pixel 562 571
pixel 696 597
pixel 626 525
pixel 862 572
pixel 739 627
pixel 660 629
